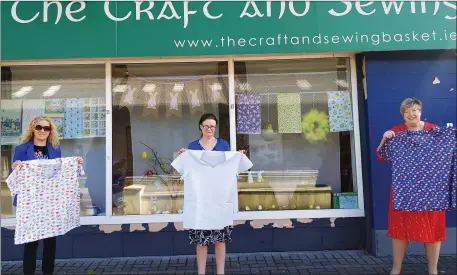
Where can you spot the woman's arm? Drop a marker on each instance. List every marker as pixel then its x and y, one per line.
pixel 18 157
pixel 18 153
pixel 386 136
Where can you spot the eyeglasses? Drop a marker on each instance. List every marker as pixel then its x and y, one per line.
pixel 45 128
pixel 207 127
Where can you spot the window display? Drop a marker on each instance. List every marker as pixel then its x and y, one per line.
pixel 303 155
pixel 156 112
pixel 73 97
pixel 293 117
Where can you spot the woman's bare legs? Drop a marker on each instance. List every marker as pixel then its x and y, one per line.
pixel 399 248
pixel 202 252
pixel 433 253
pixel 220 257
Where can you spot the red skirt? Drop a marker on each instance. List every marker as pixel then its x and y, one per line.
pixel 424 227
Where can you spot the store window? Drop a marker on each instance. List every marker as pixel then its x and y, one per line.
pixel 294 117
pixel 156 110
pixel 74 98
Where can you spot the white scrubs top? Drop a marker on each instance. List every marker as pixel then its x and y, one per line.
pixel 210 187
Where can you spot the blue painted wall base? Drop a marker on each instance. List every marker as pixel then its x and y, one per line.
pixel 89 241
pixel 383 244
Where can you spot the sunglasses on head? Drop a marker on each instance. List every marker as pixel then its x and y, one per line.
pixel 45 128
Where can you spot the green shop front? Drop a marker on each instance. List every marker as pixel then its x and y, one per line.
pixel 290 82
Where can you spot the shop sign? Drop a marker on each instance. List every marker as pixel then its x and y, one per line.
pixel 94 29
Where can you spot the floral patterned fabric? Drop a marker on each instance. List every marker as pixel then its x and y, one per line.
pixel 48 203
pixel 340 111
pixel 289 113
pixel 423 169
pixel 248 120
pixel 208 237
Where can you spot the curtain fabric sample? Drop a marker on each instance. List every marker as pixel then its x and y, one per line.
pixel 73 118
pixel 94 114
pixel 248 119
pixel 289 113
pixel 340 111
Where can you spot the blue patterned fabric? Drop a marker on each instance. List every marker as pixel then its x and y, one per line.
pixel 423 169
pixel 248 117
pixel 73 118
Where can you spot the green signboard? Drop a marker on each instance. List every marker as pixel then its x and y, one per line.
pixel 55 30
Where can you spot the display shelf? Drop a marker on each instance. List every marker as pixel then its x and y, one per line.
pixel 278 191
pixel 288 177
pixel 283 198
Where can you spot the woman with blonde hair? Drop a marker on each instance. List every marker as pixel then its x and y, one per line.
pixel 39 141
pixel 428 227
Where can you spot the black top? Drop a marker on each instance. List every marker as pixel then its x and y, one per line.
pixel 41 152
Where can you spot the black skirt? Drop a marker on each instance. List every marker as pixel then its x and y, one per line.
pixel 208 237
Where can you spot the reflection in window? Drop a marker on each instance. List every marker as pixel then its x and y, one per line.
pixel 295 120
pixel 74 98
pixel 156 109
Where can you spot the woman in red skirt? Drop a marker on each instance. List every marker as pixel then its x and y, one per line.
pixel 428 227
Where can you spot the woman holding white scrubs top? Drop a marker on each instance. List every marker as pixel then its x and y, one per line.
pixel 203 238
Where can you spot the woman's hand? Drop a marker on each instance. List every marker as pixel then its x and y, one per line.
pixel 80 161
pixel 243 152
pixel 182 150
pixel 388 134
pixel 16 164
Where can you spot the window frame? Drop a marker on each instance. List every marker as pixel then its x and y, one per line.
pixel 109 218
